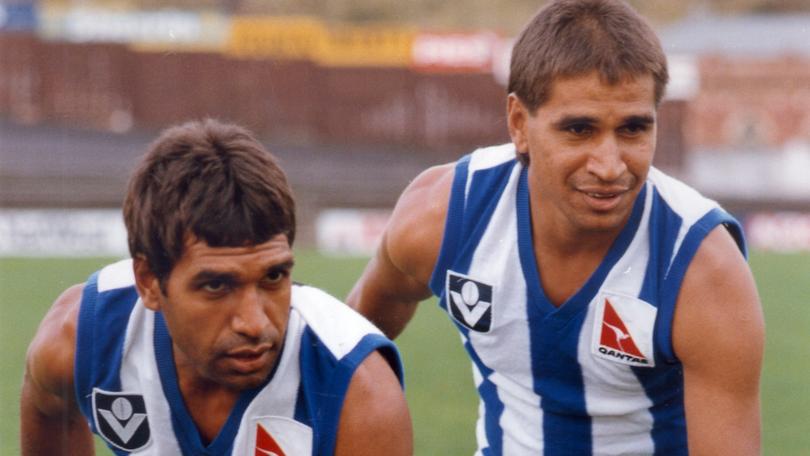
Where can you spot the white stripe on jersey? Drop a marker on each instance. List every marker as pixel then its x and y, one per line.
pixel 500 266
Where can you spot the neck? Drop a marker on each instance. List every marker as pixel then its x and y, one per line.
pixel 554 235
pixel 208 403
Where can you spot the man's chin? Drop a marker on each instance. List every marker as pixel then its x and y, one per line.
pixel 241 382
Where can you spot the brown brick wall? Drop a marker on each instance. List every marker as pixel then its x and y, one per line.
pixel 744 103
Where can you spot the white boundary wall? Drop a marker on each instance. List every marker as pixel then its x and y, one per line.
pixel 62 233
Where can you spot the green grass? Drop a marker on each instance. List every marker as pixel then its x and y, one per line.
pixel 438 378
pixel 784 287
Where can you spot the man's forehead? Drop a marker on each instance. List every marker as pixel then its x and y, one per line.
pixel 576 95
pixel 602 82
pixel 200 255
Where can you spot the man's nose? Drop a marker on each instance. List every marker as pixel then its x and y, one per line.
pixel 250 317
pixel 606 161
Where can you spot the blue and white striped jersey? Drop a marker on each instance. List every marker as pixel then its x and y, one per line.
pixel 596 375
pixel 127 389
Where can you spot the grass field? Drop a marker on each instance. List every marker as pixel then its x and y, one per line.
pixel 439 384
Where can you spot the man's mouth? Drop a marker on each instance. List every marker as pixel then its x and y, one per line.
pixel 602 195
pixel 249 359
pixel 603 200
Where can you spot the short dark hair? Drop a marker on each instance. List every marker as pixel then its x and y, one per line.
pixel 210 180
pixel 574 37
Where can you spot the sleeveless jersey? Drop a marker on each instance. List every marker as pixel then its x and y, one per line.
pixel 596 375
pixel 127 389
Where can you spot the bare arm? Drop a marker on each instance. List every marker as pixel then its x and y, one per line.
pixel 718 334
pixel 375 417
pixel 50 421
pixel 396 279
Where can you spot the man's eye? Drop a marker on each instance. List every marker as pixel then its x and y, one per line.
pixel 634 129
pixel 214 286
pixel 579 129
pixel 275 276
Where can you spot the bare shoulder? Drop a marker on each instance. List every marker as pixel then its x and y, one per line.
pixel 718 302
pixel 375 417
pixel 49 360
pixel 415 231
pixel 718 333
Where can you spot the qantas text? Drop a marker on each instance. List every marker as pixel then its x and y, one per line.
pixel 622 356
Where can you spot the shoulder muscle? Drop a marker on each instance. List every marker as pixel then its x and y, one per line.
pixel 718 334
pixel 375 417
pixel 414 234
pixel 49 361
pixel 718 300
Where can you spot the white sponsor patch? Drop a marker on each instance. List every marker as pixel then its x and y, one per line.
pixel 279 436
pixel 623 330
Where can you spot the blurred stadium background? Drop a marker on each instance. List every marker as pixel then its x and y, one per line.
pixel 355 98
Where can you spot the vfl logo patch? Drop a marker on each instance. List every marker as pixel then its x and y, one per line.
pixel 279 436
pixel 121 419
pixel 623 330
pixel 469 301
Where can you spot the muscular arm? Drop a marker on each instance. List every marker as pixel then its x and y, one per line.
pixel 375 418
pixel 718 334
pixel 50 421
pixel 396 279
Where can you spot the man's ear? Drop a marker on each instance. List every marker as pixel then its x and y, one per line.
pixel 147 283
pixel 516 117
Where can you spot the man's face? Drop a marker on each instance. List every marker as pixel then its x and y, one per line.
pixel 590 147
pixel 226 309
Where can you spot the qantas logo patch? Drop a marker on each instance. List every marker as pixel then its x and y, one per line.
pixel 623 330
pixel 280 436
pixel 121 419
pixel 469 302
pixel 266 445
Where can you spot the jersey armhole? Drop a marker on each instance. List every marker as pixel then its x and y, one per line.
pixel 83 360
pixel 673 280
pixel 452 227
pixel 327 379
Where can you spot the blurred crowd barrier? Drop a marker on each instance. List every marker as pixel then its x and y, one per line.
pixel 115 87
pixel 734 124
pixel 296 79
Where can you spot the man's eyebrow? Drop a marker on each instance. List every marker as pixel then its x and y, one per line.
pixel 567 121
pixel 285 266
pixel 643 119
pixel 207 275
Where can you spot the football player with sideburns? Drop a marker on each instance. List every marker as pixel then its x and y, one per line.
pixel 202 344
pixel 607 308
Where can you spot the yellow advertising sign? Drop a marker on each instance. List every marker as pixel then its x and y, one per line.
pixel 276 37
pixel 310 39
pixel 367 46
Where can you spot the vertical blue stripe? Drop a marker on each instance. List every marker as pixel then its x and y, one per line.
pixel 671 286
pixel 452 227
pixel 492 403
pixel 83 362
pixel 554 333
pixel 489 186
pixel 665 225
pixel 664 384
pixel 302 405
pixel 467 220
pixel 325 381
pixel 100 334
pixel 566 425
